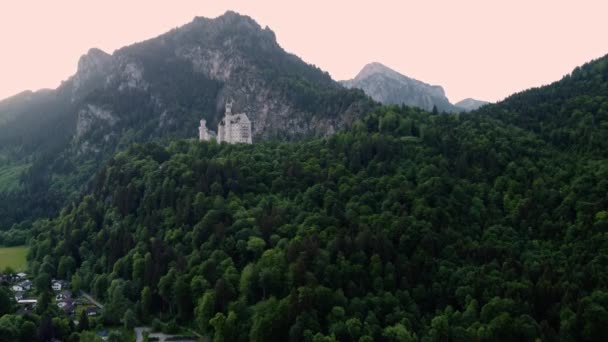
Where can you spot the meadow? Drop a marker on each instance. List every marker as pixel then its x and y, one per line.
pixel 13 257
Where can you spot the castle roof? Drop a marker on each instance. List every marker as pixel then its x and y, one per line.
pixel 236 118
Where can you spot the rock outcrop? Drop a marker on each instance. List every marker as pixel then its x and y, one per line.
pixel 387 86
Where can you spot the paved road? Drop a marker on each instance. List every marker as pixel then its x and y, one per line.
pixel 91 299
pixel 139 335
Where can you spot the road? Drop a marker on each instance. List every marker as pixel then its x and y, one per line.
pixel 91 299
pixel 139 335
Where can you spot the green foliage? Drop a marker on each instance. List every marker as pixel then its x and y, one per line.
pixel 7 302
pixel 47 158
pixel 412 226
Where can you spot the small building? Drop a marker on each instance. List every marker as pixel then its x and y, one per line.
pixel 91 311
pixel 66 305
pixel 21 275
pixel 26 285
pixel 17 288
pixel 58 285
pixel 27 304
pixel 18 295
pixel 63 295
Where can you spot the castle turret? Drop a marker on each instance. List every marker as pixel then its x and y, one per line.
pixel 203 133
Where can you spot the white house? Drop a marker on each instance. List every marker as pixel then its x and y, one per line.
pixel 26 285
pixel 57 285
pixel 17 288
pixel 21 275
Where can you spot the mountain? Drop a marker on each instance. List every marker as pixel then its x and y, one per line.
pixel 51 142
pixel 470 104
pixel 484 226
pixel 387 86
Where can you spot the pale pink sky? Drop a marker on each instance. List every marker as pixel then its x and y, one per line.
pixel 483 49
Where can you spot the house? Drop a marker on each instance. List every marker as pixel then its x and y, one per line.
pixel 58 285
pixel 17 288
pixel 91 311
pixel 103 334
pixel 27 304
pixel 63 295
pixel 21 275
pixel 69 308
pixel 26 285
pixel 66 305
pixel 18 296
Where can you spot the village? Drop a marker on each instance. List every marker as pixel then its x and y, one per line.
pixel 74 305
pixel 71 304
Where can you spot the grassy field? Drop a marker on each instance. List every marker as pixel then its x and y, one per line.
pixel 13 257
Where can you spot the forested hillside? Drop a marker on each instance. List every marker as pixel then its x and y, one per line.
pixel 411 226
pixel 571 114
pixel 52 142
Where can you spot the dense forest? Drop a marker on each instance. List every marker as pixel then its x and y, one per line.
pixel 408 226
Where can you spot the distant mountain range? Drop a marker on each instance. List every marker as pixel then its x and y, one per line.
pixel 387 86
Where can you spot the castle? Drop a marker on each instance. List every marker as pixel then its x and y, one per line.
pixel 234 128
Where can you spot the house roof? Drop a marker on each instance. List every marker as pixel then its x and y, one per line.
pixel 236 118
pixel 27 301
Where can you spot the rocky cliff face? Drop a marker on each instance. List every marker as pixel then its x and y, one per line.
pixel 390 87
pixel 190 72
pixel 387 86
pixel 158 90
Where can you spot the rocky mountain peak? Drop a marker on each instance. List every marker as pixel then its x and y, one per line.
pixel 230 23
pixel 94 60
pixel 376 69
pixel 388 86
pixel 92 68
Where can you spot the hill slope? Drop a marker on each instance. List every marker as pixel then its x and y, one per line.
pixel 410 226
pixel 571 114
pixel 158 90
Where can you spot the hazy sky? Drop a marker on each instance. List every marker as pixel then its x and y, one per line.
pixel 483 49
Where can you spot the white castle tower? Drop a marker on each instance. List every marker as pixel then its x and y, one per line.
pixel 234 128
pixel 203 133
